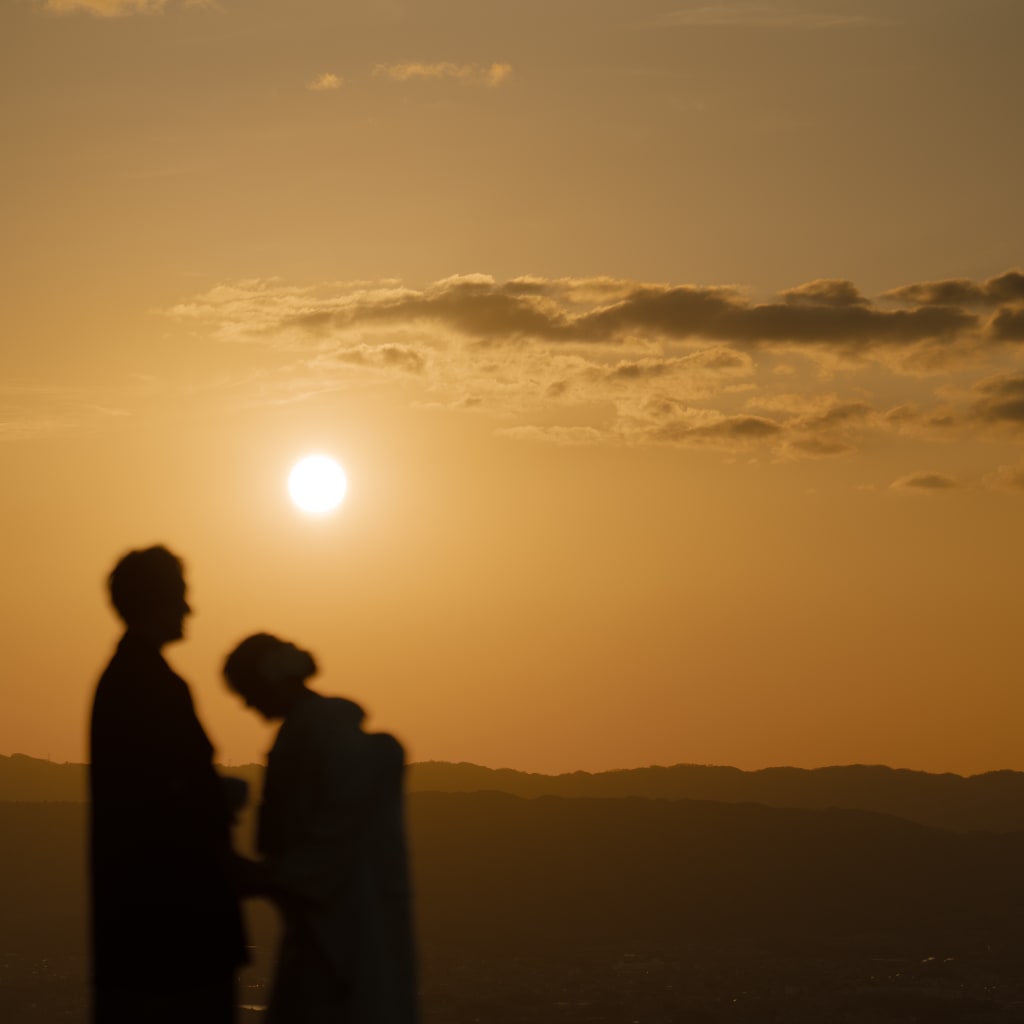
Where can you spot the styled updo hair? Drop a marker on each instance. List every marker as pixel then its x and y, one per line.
pixel 143 580
pixel 266 659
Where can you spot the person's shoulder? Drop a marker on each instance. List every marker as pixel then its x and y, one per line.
pixel 137 672
pixel 316 715
pixel 134 653
pixel 340 712
pixel 125 665
pixel 388 748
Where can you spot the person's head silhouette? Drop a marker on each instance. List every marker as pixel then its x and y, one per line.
pixel 147 589
pixel 269 674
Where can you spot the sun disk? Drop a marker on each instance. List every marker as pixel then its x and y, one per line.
pixel 317 484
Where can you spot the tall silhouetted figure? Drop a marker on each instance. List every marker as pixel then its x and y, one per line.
pixel 332 836
pixel 167 932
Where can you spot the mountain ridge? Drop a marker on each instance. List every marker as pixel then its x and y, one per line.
pixel 990 801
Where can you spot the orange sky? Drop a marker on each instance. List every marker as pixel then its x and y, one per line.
pixel 673 351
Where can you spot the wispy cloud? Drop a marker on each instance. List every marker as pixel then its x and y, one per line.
pixel 117 8
pixel 491 75
pixel 325 82
pixel 1010 477
pixel 754 15
pixel 31 411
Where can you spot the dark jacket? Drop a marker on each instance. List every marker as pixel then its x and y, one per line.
pixel 332 833
pixel 165 911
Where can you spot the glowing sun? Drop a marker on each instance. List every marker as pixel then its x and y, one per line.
pixel 317 484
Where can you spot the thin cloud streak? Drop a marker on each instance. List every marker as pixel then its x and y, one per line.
pixel 116 8
pixel 491 75
pixel 29 412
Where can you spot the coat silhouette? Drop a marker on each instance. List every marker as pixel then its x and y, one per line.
pixel 332 835
pixel 167 931
pixel 331 830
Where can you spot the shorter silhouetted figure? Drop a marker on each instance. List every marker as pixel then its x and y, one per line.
pixel 332 836
pixel 167 931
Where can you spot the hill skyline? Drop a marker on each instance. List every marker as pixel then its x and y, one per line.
pixel 992 801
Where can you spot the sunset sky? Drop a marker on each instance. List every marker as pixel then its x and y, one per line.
pixel 674 352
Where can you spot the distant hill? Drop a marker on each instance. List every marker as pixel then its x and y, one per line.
pixel 24 778
pixel 990 802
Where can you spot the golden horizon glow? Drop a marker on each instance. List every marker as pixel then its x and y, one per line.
pixel 675 362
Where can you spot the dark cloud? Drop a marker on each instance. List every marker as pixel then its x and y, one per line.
pixel 939 293
pixel 528 286
pixel 723 359
pixel 714 361
pixel 485 311
pixel 823 314
pixel 729 429
pixel 1004 288
pixel 825 292
pixel 936 422
pixel 940 420
pixel 925 482
pixel 827 315
pixel 391 357
pixel 645 370
pixel 1002 399
pixel 825 427
pixel 684 312
pixel 401 357
pixel 1008 287
pixel 818 447
pixel 902 414
pixel 838 415
pixel 643 363
pixel 662 406
pixel 1008 325
pixel 319 321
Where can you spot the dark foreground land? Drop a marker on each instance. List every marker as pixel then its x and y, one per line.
pixel 620 910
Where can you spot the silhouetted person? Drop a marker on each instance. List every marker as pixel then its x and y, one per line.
pixel 167 932
pixel 332 836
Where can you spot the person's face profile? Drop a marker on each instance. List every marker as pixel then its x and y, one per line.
pixel 168 616
pixel 260 695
